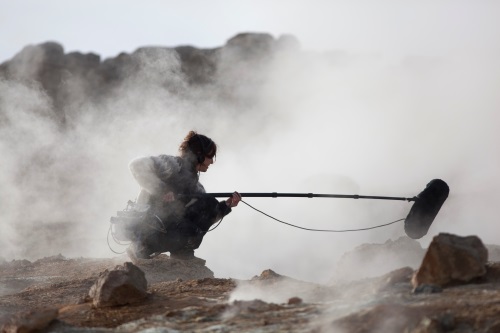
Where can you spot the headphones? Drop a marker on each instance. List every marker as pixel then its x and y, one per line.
pixel 200 156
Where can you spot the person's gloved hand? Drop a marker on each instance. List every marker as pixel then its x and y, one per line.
pixel 233 200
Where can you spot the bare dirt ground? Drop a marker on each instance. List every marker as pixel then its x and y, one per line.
pixel 185 297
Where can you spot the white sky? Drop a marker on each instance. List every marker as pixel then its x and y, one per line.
pixel 108 27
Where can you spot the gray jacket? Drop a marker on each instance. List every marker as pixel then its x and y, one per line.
pixel 158 175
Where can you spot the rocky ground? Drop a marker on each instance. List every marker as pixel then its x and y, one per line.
pixel 51 295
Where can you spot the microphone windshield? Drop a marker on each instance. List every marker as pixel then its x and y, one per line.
pixel 426 208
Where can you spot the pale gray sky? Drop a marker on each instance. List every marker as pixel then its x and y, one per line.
pixel 108 27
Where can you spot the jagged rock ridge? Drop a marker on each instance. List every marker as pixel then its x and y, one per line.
pixel 71 77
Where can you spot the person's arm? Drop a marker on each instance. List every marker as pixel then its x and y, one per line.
pixel 224 207
pixel 145 172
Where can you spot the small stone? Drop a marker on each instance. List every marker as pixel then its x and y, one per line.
pixel 295 301
pixel 125 284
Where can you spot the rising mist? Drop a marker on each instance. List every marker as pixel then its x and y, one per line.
pixel 298 121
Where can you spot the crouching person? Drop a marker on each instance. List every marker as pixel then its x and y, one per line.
pixel 179 215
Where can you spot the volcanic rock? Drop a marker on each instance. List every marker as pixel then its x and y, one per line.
pixel 398 276
pixel 268 274
pixel 70 79
pixel 452 259
pixel 164 268
pixel 126 284
pixel 493 272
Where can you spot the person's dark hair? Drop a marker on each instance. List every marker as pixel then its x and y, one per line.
pixel 200 145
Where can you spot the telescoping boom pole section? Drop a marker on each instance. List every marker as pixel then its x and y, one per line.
pixel 308 195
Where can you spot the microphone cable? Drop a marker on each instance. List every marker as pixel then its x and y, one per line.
pixel 321 230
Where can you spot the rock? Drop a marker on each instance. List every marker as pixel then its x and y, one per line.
pixel 124 285
pixel 250 45
pixel 268 274
pixel 492 272
pixel 452 259
pixel 30 321
pixel 164 268
pixel 242 308
pixel 398 276
pixel 198 65
pixel 294 301
pixel 69 79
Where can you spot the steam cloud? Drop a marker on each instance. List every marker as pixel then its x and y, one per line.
pixel 321 122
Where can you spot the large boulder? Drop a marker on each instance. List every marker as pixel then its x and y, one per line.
pixel 126 284
pixel 452 259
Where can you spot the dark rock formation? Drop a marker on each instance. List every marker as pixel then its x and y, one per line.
pixel 73 78
pixel 452 259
